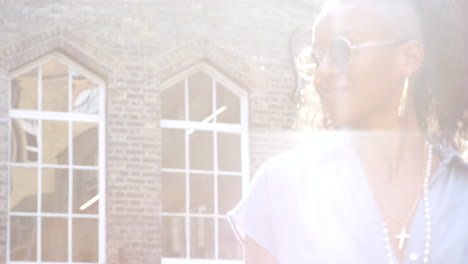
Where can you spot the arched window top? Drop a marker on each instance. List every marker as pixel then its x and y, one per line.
pixel 209 70
pixel 204 95
pixel 55 83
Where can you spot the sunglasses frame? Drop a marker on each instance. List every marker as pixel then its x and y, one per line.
pixel 310 50
pixel 352 46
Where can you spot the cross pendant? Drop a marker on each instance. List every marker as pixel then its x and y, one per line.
pixel 402 238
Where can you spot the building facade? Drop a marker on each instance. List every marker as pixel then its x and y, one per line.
pixel 130 127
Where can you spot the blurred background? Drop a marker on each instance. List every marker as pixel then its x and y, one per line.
pixel 128 128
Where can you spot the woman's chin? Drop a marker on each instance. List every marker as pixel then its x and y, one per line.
pixel 340 117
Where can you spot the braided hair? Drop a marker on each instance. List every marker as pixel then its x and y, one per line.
pixel 441 89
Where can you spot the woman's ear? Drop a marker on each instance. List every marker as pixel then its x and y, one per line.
pixel 412 57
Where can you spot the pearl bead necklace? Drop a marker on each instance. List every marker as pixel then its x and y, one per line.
pixel 427 216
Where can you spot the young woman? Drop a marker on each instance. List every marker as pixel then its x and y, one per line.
pixel 394 188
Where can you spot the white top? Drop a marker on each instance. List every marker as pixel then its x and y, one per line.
pixel 316 206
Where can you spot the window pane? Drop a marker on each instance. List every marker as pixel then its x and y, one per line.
pixel 173 237
pixel 201 193
pixel 201 149
pixel 24 91
pixel 227 100
pixel 173 102
pixel 54 142
pixel 173 192
pixel 55 87
pixel 85 94
pixel 200 97
pixel 54 239
pixel 23 238
pixel 201 238
pixel 24 141
pixel 85 240
pixel 173 148
pixel 23 196
pixel 229 246
pixel 54 190
pixel 85 144
pixel 229 152
pixel 229 191
pixel 85 192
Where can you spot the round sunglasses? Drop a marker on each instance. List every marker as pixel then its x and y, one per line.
pixel 340 51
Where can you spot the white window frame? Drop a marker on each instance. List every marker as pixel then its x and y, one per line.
pixel 242 129
pixel 70 117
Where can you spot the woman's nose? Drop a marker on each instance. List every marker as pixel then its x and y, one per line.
pixel 326 65
pixel 325 69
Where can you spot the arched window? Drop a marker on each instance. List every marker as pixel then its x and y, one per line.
pixel 204 164
pixel 56 168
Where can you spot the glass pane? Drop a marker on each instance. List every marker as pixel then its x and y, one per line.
pixel 24 141
pixel 23 189
pixel 202 238
pixel 173 237
pixel 173 192
pixel 85 144
pixel 55 87
pixel 23 237
pixel 85 240
pixel 85 94
pixel 173 148
pixel 229 152
pixel 85 192
pixel 24 91
pixel 229 246
pixel 229 191
pixel 228 106
pixel 201 149
pixel 54 239
pixel 54 142
pixel 54 190
pixel 173 102
pixel 201 193
pixel 200 98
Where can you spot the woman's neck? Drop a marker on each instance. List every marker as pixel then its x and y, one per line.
pixel 390 140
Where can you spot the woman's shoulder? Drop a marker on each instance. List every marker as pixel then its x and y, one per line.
pixel 312 152
pixel 452 158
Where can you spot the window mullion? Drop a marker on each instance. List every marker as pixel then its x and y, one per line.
pixel 245 159
pixel 215 174
pixel 196 125
pixel 70 171
pixel 101 176
pixel 70 192
pixel 245 143
pixel 39 88
pixel 39 192
pixel 9 157
pixel 54 116
pixel 187 175
pixel 70 88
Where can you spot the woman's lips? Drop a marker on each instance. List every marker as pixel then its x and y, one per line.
pixel 331 92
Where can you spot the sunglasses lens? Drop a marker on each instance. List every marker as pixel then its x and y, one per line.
pixel 307 63
pixel 340 52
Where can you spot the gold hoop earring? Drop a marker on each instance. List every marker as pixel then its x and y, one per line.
pixel 404 95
